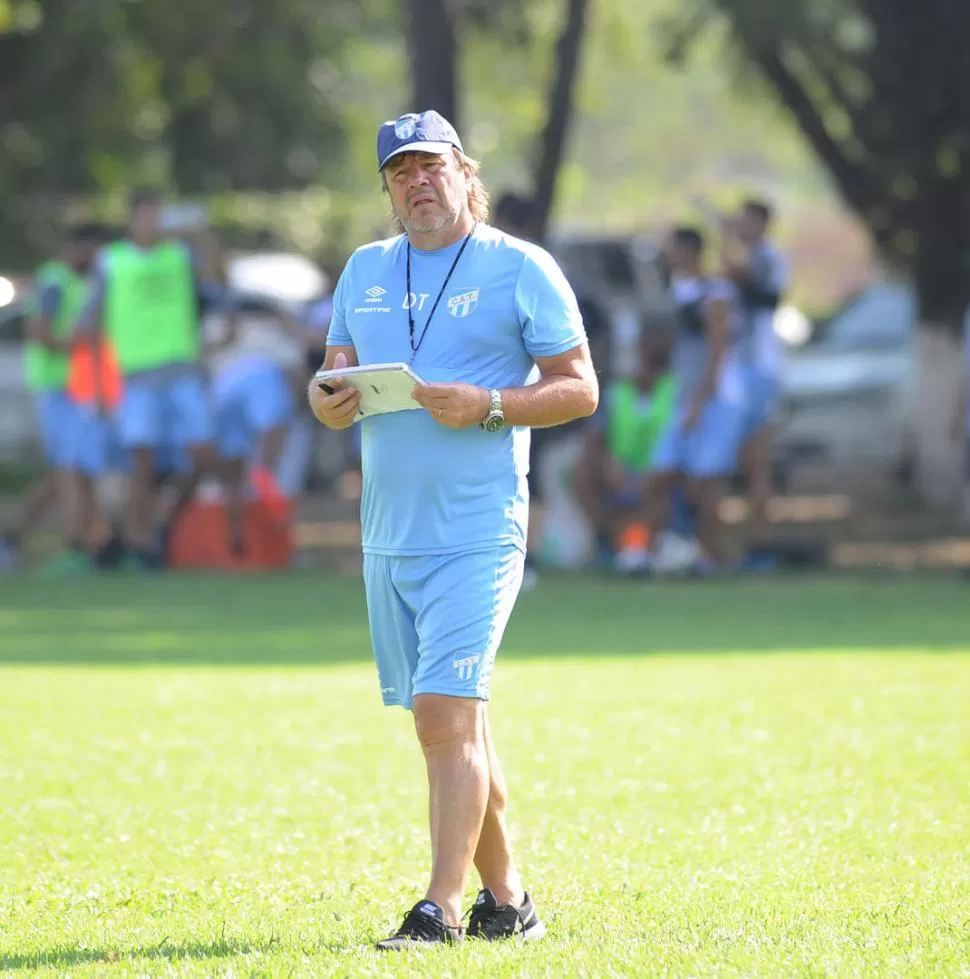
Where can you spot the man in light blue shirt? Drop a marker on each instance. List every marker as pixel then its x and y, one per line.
pixel 492 327
pixel 760 275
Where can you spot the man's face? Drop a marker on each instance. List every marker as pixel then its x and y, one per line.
pixel 751 226
pixel 428 192
pixel 81 254
pixel 145 220
pixel 677 256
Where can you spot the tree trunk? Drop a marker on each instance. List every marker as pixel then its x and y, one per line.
pixel 433 50
pixel 560 112
pixel 939 460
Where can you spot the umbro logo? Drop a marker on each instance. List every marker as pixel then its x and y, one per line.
pixel 375 301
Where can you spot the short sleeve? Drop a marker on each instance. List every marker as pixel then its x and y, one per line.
pixel 546 306
pixel 338 334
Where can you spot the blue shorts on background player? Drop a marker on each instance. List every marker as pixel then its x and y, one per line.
pixel 253 404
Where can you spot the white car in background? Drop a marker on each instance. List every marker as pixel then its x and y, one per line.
pixel 848 392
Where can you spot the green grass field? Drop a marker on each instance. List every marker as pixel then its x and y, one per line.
pixel 733 779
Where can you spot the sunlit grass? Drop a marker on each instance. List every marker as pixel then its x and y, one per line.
pixel 744 779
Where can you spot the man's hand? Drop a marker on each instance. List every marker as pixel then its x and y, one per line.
pixel 337 410
pixel 453 405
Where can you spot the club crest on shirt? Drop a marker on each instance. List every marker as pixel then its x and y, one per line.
pixel 464 303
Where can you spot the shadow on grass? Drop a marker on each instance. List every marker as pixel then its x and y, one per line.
pixel 313 620
pixel 66 957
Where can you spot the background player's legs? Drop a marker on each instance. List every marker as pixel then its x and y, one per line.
pixel 140 515
pixel 756 463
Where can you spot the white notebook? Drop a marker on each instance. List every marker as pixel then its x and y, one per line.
pixel 383 387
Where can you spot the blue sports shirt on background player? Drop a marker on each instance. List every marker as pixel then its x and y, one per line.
pixel 428 489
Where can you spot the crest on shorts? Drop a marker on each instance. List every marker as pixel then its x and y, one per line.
pixel 406 126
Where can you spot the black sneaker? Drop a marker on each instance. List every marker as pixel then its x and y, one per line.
pixel 424 924
pixel 492 921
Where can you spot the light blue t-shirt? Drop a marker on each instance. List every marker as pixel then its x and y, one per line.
pixel 428 489
pixel 760 348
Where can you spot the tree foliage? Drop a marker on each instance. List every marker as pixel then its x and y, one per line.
pixel 197 95
pixel 881 91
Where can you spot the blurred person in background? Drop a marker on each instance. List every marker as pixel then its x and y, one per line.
pixel 701 442
pixel 146 301
pixel 759 273
pixel 513 214
pixel 295 464
pixel 253 404
pixel 609 478
pixel 60 288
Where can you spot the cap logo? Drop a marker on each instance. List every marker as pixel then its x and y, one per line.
pixel 406 126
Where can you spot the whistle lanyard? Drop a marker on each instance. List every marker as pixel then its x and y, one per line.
pixel 441 292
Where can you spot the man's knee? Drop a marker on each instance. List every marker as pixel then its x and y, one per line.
pixel 439 719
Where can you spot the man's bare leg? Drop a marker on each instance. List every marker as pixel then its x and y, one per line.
pixel 41 495
pixel 707 494
pixel 141 500
pixel 451 731
pixel 493 857
pixel 756 462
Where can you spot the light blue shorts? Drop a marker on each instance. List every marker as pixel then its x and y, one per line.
pixel 57 421
pixel 436 622
pixel 96 443
pixel 99 449
pixel 154 412
pixel 248 407
pixel 710 450
pixel 761 393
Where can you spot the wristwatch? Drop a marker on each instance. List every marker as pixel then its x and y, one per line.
pixel 494 421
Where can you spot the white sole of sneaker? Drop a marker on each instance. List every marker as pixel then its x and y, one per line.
pixel 534 933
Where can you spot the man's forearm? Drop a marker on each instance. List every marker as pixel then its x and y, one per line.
pixel 550 401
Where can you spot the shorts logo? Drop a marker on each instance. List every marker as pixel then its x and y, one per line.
pixel 465 668
pixel 464 303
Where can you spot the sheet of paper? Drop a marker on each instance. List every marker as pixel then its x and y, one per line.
pixel 383 387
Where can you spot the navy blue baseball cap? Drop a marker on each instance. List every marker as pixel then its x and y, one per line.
pixel 416 132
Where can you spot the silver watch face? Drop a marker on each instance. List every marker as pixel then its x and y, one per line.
pixel 493 423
